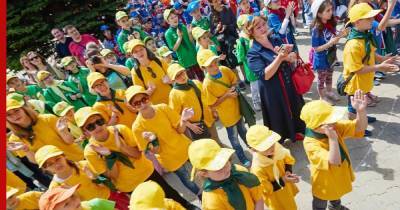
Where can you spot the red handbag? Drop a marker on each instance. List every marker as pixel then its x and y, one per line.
pixel 302 76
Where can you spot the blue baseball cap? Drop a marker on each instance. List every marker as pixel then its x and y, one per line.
pixel 137 5
pixel 134 14
pixel 128 6
pixel 193 6
pixel 177 5
pixel 104 28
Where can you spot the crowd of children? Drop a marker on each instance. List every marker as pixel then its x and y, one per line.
pixel 100 128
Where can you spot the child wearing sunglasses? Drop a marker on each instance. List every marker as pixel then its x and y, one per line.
pixel 160 129
pixel 110 102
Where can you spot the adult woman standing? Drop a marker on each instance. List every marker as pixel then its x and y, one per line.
pixel 29 69
pixel 150 72
pixel 281 105
pixel 41 64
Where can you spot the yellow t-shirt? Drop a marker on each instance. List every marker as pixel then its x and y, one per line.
pixel 180 99
pixel 29 200
pixel 161 92
pixel 217 199
pixel 228 110
pixel 173 145
pixel 353 53
pixel 172 205
pixel 46 134
pixel 331 182
pixel 88 189
pixel 282 199
pixel 128 177
pixel 126 118
pixel 14 181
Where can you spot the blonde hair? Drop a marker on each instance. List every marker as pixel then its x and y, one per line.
pixel 249 27
pixel 20 131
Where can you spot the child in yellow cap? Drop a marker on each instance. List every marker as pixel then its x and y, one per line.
pixel 272 164
pixel 110 102
pixel 226 186
pixel 359 55
pixel 27 200
pixel 330 166
pixel 113 154
pixel 67 123
pixel 123 21
pixel 30 131
pixel 188 93
pixel 220 88
pixel 149 196
pixel 203 41
pixel 165 54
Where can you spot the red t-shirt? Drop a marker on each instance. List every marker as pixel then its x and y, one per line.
pixel 77 49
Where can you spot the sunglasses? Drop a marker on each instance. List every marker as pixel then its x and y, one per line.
pixel 138 103
pixel 33 58
pixel 92 126
pixel 151 71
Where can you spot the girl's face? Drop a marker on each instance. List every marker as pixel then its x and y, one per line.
pixel 16 83
pixel 136 34
pixel 151 45
pixel 260 29
pixel 364 24
pixel 72 203
pixel 26 62
pixel 269 151
pixel 72 67
pixel 326 14
pixel 173 20
pixel 35 59
pixel 17 116
pixel 12 202
pixel 139 52
pixel 48 81
pixel 140 102
pixel 204 40
pixel 245 6
pixel 221 174
pixel 124 23
pixel 181 78
pixel 213 67
pixel 56 165
pixel 95 127
pixel 101 87
pixel 111 58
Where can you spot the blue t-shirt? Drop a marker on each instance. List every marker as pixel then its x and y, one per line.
pixel 320 61
pixel 275 23
pixel 396 10
pixel 378 36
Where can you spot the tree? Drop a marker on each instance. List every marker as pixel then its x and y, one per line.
pixel 29 23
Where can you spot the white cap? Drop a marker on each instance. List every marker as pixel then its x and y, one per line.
pixel 315 7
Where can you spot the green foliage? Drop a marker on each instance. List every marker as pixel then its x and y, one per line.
pixel 29 23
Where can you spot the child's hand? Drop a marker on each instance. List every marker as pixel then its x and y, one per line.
pixel 359 101
pixel 291 178
pixel 62 124
pixel 289 9
pixel 166 80
pixel 334 40
pixel 187 114
pixel 102 150
pixel 151 87
pixel 222 57
pixel 231 93
pixel 149 136
pixel 388 65
pixel 179 32
pixel 17 146
pixel 330 131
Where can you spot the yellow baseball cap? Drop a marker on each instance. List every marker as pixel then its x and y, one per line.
pixel 120 14
pixel 167 13
pixel 261 137
pixel 46 152
pixel 205 57
pixel 164 51
pixel 147 196
pixel 67 60
pixel 242 20
pixel 93 77
pixel 319 112
pixel 105 52
pixel 13 103
pixel 361 11
pixel 174 69
pixel 133 43
pixel 11 191
pixel 198 32
pixel 206 154
pixel 11 76
pixel 83 114
pixel 41 75
pixel 134 90
pixel 61 108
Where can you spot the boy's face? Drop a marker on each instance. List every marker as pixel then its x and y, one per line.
pixel 48 81
pixel 245 6
pixel 173 20
pixel 101 87
pixel 181 78
pixel 72 67
pixel 196 13
pixel 364 24
pixel 221 174
pixel 124 23
pixel 269 151
pixel 72 203
pixel 204 40
pixel 12 202
pixel 16 83
pixel 135 21
pixel 148 25
pixel 212 68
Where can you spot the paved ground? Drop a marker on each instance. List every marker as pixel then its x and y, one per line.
pixel 375 160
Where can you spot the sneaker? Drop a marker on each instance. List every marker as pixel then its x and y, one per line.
pixel 373 97
pixel 376 83
pixel 367 133
pixel 371 119
pixel 380 75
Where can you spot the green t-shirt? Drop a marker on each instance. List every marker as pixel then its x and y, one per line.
pixel 242 48
pixel 79 80
pixel 186 52
pixel 213 48
pixel 33 91
pixel 204 23
pixel 130 63
pixel 124 34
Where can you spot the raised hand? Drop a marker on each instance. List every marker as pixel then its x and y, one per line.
pixel 359 101
pixel 102 150
pixel 17 146
pixel 187 114
pixel 62 124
